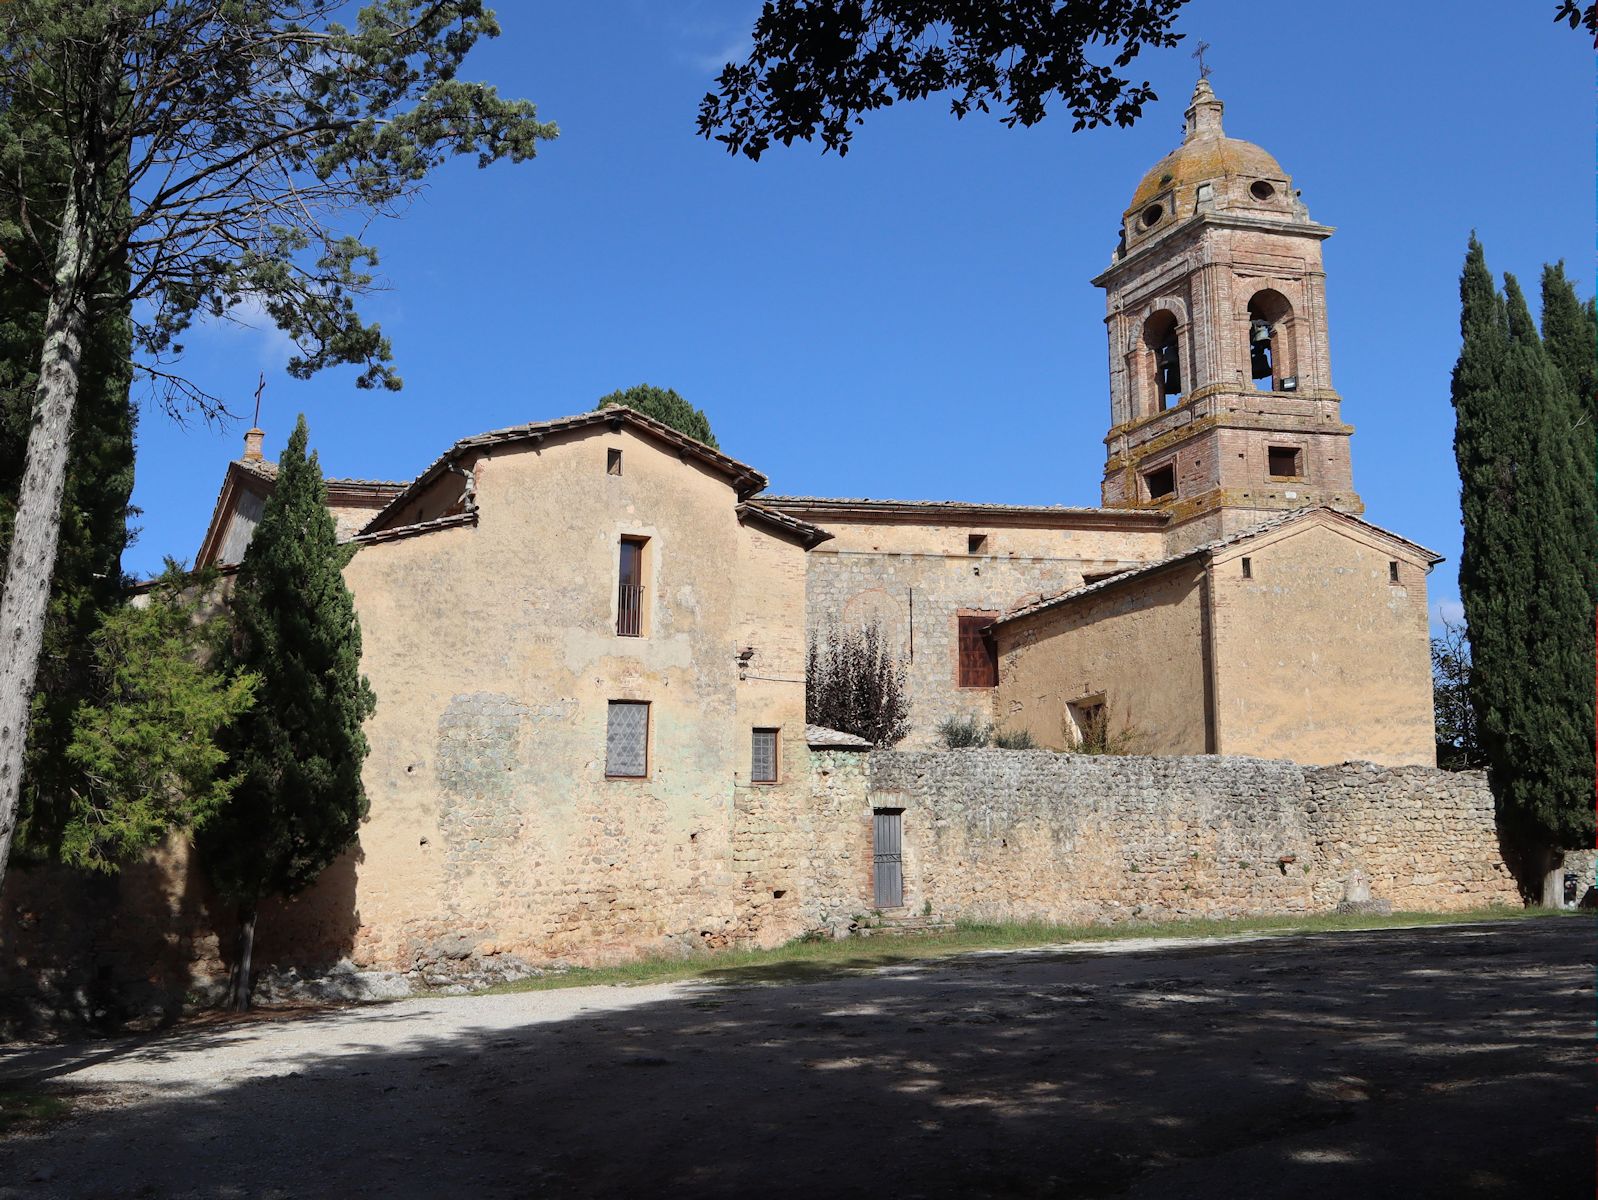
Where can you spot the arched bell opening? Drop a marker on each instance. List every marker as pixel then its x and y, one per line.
pixel 1271 356
pixel 1163 354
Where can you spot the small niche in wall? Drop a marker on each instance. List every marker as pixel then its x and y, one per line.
pixel 1392 571
pixel 976 543
pixel 1248 568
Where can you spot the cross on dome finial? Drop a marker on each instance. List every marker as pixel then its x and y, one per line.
pixel 1204 111
pixel 1204 72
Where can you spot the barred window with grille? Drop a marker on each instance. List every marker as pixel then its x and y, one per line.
pixel 627 740
pixel 763 757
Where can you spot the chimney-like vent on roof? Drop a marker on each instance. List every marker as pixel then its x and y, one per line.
pixel 253 439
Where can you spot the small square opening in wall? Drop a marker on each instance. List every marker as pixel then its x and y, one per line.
pixel 613 462
pixel 976 543
pixel 1248 568
pixel 1392 572
pixel 1285 461
pixel 1161 482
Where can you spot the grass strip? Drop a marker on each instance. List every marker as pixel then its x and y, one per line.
pixel 803 959
pixel 24 1107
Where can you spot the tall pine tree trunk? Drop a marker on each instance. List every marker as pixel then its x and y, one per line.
pixel 38 524
pixel 239 998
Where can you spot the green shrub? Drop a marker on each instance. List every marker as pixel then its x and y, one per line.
pixel 1019 739
pixel 965 733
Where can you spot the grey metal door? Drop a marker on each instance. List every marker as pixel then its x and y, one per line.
pixel 887 857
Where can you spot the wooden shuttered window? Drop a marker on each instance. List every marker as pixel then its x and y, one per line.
pixel 627 740
pixel 978 653
pixel 763 756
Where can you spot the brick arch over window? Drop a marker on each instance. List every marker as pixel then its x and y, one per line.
pixel 1271 341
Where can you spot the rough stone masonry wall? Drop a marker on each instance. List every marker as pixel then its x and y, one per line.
pixel 1426 839
pixel 804 859
pixel 1032 835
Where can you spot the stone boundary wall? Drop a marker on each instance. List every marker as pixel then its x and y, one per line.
pixel 1039 836
pixel 1426 839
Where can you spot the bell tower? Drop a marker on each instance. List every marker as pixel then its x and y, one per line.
pixel 1221 402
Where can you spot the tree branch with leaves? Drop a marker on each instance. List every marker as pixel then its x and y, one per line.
pixel 818 66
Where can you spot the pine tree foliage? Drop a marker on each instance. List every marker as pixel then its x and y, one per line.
pixel 299 800
pixel 1529 570
pixel 667 407
pixel 145 744
pixel 855 684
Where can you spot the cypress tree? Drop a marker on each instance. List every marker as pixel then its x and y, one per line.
pixel 1570 335
pixel 299 801
pixel 1527 576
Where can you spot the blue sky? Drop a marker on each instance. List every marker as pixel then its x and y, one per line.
pixel 915 320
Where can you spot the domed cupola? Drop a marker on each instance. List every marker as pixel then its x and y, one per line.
pixel 1221 400
pixel 1208 172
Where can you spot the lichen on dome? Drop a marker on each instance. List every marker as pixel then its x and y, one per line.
pixel 1205 155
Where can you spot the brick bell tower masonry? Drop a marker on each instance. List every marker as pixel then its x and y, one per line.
pixel 1221 400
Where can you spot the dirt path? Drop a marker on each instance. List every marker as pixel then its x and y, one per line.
pixel 1431 1062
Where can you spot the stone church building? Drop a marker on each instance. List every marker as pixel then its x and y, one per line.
pixel 587 635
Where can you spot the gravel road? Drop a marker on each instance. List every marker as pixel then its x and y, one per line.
pixel 1446 1061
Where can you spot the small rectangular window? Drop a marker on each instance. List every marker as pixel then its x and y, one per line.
pixel 1248 568
pixel 976 543
pixel 1284 461
pixel 763 757
pixel 613 462
pixel 1392 572
pixel 627 740
pixel 978 652
pixel 1161 482
pixel 630 589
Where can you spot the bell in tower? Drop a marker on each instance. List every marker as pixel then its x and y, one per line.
pixel 1220 372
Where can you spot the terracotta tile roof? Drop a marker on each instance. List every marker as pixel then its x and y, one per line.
pixel 745 478
pixel 819 737
pixel 810 535
pixel 469 517
pixel 969 510
pixel 1206 548
pixel 266 469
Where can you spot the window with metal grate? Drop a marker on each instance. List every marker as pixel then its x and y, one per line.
pixel 763 756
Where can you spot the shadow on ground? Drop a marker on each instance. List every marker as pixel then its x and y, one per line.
pixel 1418 1063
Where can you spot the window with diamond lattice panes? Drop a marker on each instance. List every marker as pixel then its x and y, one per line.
pixel 627 740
